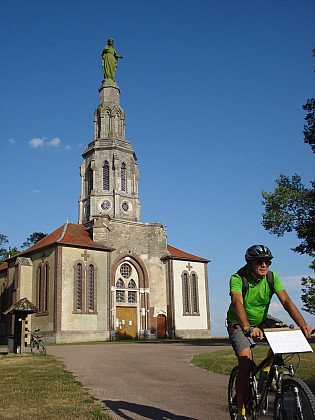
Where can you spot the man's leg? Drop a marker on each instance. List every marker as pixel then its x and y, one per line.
pixel 242 347
pixel 245 365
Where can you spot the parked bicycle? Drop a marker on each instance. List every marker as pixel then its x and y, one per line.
pixel 37 342
pixel 293 398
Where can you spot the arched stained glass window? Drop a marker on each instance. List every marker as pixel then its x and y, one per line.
pixel 194 293
pixel 123 175
pixel 89 180
pixel 78 287
pixel 46 288
pixel 186 294
pixel 39 289
pixel 90 288
pixel 132 284
pixel 120 283
pixel 106 176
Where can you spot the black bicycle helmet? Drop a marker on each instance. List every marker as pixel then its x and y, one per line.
pixel 258 251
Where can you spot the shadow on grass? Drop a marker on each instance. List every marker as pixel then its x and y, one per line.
pixel 121 408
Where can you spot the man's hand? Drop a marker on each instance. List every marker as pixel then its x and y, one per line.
pixel 257 334
pixel 307 331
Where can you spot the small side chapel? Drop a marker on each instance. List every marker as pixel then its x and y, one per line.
pixel 110 276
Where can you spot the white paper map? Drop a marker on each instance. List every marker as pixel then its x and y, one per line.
pixel 287 341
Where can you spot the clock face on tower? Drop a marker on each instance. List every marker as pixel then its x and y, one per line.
pixel 105 205
pixel 125 206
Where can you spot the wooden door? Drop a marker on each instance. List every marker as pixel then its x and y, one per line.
pixel 161 326
pixel 126 323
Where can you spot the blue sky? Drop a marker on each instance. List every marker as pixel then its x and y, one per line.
pixel 213 94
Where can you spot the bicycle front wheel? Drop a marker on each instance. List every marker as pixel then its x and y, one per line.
pixel 232 393
pixel 295 401
pixel 41 347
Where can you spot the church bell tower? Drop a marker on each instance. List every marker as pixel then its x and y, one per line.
pixel 109 171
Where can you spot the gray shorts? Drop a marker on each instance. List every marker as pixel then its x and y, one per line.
pixel 240 342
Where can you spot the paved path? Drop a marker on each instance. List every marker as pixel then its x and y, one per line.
pixel 149 380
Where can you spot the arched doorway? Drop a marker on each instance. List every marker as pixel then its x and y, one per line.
pixel 126 296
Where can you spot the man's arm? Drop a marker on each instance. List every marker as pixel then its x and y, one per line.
pixel 294 313
pixel 241 316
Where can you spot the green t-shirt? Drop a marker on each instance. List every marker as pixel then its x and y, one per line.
pixel 257 298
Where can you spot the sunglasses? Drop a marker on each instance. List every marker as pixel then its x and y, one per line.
pixel 261 261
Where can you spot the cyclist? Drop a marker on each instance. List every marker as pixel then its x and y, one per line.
pixel 247 315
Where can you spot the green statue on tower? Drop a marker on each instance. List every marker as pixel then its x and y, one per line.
pixel 109 62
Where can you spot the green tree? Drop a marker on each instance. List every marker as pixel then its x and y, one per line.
pixel 10 253
pixel 309 128
pixel 3 241
pixel 291 207
pixel 33 238
pixel 308 295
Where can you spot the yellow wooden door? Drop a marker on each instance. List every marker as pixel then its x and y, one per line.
pixel 126 323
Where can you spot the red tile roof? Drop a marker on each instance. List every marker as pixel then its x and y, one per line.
pixel 181 255
pixel 4 266
pixel 67 234
pixel 77 235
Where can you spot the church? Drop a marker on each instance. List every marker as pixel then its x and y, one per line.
pixel 110 276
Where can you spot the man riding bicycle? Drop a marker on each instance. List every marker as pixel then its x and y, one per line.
pixel 248 315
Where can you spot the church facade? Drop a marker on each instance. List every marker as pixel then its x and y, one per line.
pixel 110 276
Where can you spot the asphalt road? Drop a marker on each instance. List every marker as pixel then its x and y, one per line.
pixel 148 380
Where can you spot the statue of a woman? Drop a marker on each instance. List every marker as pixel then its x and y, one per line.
pixel 109 60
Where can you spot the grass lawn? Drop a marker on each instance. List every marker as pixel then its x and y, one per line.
pixel 223 362
pixel 39 387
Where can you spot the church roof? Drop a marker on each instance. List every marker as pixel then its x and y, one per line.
pixel 70 234
pixel 4 266
pixel 178 254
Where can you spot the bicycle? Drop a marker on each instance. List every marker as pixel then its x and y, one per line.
pixel 293 398
pixel 37 342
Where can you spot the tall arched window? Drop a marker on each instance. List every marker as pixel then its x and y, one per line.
pixel 190 293
pixel 106 176
pixel 46 288
pixel 90 288
pixel 123 177
pixel 39 289
pixel 186 299
pixel 78 287
pixel 194 294
pixel 99 124
pixel 42 288
pixel 89 180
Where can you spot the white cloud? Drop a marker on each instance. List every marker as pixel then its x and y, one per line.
pixel 36 191
pixel 11 141
pixel 40 142
pixel 54 142
pixel 37 142
pixel 293 282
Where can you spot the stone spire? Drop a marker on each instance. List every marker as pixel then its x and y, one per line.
pixel 109 171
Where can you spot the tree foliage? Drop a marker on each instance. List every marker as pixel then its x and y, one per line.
pixel 309 128
pixel 308 294
pixel 291 207
pixel 7 251
pixel 33 238
pixel 3 241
